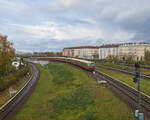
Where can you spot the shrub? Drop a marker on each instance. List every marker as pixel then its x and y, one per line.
pixel 62 76
pixel 11 78
pixel 89 115
pixel 80 98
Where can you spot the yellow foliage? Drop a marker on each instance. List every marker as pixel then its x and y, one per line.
pixel 7 54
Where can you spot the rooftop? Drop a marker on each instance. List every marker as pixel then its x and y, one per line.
pixel 109 46
pixel 137 43
pixel 81 47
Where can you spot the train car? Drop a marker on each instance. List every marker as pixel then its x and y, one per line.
pixel 88 65
pixel 61 59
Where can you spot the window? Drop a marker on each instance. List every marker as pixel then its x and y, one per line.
pixel 91 64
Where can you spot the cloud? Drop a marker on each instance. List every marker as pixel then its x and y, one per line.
pixel 51 30
pixel 121 36
pixel 54 24
pixel 49 34
pixel 11 8
pixel 66 3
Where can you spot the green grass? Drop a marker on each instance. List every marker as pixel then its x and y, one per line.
pixel 124 67
pixel 128 79
pixel 67 93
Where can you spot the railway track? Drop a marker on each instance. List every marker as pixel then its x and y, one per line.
pixel 126 93
pixel 9 109
pixel 123 71
pixel 130 65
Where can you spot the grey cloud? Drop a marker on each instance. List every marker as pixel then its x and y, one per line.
pixel 110 20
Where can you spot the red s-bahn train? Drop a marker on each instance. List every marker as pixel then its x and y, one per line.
pixel 88 65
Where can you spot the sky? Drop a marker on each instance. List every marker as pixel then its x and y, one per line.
pixel 51 25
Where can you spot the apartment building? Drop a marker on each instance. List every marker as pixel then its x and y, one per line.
pixel 87 52
pixel 124 51
pixel 68 52
pixel 121 51
pixel 108 50
pixel 134 50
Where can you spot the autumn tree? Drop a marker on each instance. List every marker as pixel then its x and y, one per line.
pixel 7 54
pixel 130 59
pixel 109 57
pixel 147 56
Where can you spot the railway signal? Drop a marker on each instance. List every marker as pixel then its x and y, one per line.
pixel 136 79
pixel 137 73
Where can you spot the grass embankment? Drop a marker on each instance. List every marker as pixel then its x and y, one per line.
pixel 66 93
pixel 124 67
pixel 128 79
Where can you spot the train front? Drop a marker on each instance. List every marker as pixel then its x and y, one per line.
pixel 91 66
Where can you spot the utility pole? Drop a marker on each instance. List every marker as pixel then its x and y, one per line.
pixel 136 79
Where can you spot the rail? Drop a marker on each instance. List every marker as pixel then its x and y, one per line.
pixel 129 92
pixel 9 107
pixel 125 92
pixel 123 71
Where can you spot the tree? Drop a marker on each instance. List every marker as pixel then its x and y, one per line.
pixel 116 59
pixel 130 59
pixel 147 56
pixel 7 54
pixel 110 58
pixel 95 56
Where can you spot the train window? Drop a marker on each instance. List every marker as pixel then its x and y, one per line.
pixel 91 64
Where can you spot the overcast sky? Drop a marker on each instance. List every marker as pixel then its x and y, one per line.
pixel 50 25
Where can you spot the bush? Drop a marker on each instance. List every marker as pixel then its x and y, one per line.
pixel 12 78
pixel 80 98
pixel 89 115
pixel 62 75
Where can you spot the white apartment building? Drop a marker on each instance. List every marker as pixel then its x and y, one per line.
pixel 121 51
pixel 87 52
pixel 135 50
pixel 108 50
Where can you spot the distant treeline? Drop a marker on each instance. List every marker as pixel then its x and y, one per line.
pixel 48 54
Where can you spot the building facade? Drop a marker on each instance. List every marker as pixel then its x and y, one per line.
pixel 108 50
pixel 68 52
pixel 134 50
pixel 87 52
